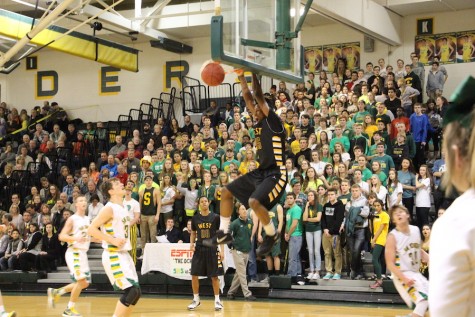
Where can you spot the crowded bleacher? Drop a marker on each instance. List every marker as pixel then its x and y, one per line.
pixel 356 140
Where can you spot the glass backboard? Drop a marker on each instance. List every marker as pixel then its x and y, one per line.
pixel 259 36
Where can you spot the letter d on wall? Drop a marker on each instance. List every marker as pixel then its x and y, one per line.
pixel 46 84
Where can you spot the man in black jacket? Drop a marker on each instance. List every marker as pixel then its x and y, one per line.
pixel 172 234
pixel 305 153
pixel 332 224
pixel 412 79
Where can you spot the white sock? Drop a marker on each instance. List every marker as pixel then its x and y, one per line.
pixel 196 297
pixel 269 229
pixel 224 223
pixel 216 298
pixel 71 305
pixel 61 291
pixel 2 309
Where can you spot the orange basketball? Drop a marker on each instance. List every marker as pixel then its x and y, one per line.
pixel 212 74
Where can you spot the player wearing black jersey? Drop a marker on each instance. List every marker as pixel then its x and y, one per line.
pixel 206 260
pixel 262 188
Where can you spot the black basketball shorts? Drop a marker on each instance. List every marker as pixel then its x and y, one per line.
pixel 266 186
pixel 206 262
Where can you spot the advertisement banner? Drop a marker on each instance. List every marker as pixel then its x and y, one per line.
pixel 174 259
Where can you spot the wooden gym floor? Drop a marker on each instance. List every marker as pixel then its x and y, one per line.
pixel 100 305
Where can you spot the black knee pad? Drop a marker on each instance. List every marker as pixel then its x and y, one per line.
pixel 131 296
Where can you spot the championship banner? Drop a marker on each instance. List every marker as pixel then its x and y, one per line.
pixel 313 59
pixel 446 47
pixel 425 48
pixel 351 53
pixel 174 259
pixel 331 54
pixel 466 47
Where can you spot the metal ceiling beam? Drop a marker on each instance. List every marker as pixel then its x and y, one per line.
pixel 365 16
pixel 156 8
pixel 124 23
pixel 138 8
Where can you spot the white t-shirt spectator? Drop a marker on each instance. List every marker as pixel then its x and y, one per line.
pixel 132 207
pixel 364 188
pixel 169 194
pixel 383 192
pixel 93 211
pixel 393 196
pixel 423 194
pixel 345 157
pixel 319 167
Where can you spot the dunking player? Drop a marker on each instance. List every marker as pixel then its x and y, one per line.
pixel 262 188
pixel 403 258
pixel 114 221
pixel 75 234
pixel 205 261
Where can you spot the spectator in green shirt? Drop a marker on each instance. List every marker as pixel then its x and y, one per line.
pixel 364 170
pixel 241 230
pixel 157 165
pixel 210 160
pixel 293 235
pixel 384 160
pixel 228 159
pixel 313 234
pixel 339 137
pixel 360 115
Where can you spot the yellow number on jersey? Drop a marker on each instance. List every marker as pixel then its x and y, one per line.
pixel 146 198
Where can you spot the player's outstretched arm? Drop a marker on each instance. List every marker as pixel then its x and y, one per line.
pixel 261 101
pixel 246 93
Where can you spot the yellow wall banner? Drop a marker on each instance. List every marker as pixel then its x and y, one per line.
pixel 16 26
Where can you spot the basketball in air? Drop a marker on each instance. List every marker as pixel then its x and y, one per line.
pixel 212 74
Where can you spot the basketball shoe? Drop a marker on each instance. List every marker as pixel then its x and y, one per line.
pixel 219 238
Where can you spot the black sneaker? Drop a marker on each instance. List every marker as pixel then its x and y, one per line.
pixel 266 245
pixel 219 238
pixel 250 298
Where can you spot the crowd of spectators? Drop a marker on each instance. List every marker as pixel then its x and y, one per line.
pixel 358 143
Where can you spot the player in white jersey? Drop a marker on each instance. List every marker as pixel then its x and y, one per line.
pixel 452 241
pixel 133 208
pixel 114 223
pixel 403 259
pixel 75 234
pixel 3 313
